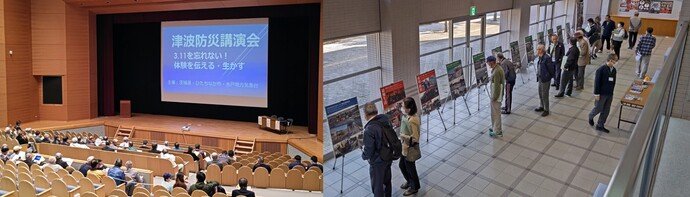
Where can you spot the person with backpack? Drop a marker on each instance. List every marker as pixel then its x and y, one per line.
pixel 381 148
pixel 409 136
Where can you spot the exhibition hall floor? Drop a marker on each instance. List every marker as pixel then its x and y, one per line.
pixel 557 155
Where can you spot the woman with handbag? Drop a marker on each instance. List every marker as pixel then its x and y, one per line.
pixel 409 135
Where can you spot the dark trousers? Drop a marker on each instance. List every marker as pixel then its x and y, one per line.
pixel 632 39
pixel 606 40
pixel 380 177
pixel 575 74
pixel 566 82
pixel 510 85
pixel 580 76
pixel 409 171
pixel 557 78
pixel 602 108
pixel 617 48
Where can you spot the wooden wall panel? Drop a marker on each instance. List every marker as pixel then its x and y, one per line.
pixel 78 66
pixel 270 147
pixel 3 68
pixel 662 27
pixel 22 88
pixel 48 51
pixel 50 112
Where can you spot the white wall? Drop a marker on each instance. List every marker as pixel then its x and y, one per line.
pixel 342 18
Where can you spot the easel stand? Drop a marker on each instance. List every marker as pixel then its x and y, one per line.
pixel 479 94
pixel 342 169
pixel 466 106
pixel 427 123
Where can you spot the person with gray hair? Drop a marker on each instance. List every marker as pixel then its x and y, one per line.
pixel 131 173
pixel 545 72
pixel 379 170
pixel 634 27
pixel 604 84
pixel 51 164
pixel 84 168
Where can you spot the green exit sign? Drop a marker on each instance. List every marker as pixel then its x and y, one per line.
pixel 473 10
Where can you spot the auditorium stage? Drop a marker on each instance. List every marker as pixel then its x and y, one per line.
pixel 209 132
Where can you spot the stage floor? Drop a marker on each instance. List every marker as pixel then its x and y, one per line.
pixel 200 127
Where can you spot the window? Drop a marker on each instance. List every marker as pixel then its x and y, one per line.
pixel 497 31
pixel 351 68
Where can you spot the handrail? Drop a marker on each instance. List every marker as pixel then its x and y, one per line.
pixel 626 173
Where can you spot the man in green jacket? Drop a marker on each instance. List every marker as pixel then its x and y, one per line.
pixel 497 83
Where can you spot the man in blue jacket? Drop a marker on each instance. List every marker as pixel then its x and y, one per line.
pixel 379 170
pixel 545 72
pixel 116 172
pixel 604 82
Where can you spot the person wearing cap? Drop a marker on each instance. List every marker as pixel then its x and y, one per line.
pixel 497 83
pixel 582 61
pixel 168 181
pixel 84 168
pixel 17 154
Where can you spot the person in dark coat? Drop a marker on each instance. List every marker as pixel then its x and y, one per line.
pixel 569 69
pixel 607 26
pixel 604 83
pixel 379 170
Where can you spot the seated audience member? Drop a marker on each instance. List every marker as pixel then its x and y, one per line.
pixel 168 181
pixel 44 139
pixel 163 146
pixel 113 144
pixel 231 153
pixel 17 154
pixel 179 181
pixel 55 140
pixel 171 158
pixel 224 157
pixel 315 163
pixel 116 172
pixel 201 184
pixel 214 161
pixel 21 138
pixel 75 143
pixel 98 142
pixel 190 151
pixel 29 160
pixel 144 146
pixel 65 141
pixel 154 148
pixel 51 164
pixel 177 147
pixel 96 169
pixel 260 164
pixel 197 149
pixel 125 142
pixel 297 162
pixel 84 168
pixel 131 173
pixel 107 147
pixel 243 189
pixel 131 147
pixel 59 161
pixel 5 154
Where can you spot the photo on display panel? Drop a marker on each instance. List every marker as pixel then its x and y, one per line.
pixel 540 37
pixel 529 48
pixel 428 90
pixel 515 54
pixel 345 124
pixel 496 51
pixel 391 97
pixel 456 79
pixel 480 68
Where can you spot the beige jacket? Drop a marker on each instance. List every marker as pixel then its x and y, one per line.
pixel 584 59
pixel 413 130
